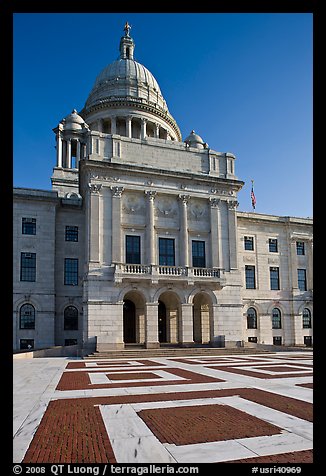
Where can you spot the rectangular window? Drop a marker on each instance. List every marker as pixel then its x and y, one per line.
pixel 250 277
pixel 302 280
pixel 277 340
pixel 28 266
pixel 252 339
pixel 166 252
pixel 272 245
pixel 307 340
pixel 71 271
pixel 71 233
pixel 249 243
pixel 300 248
pixel 27 344
pixel 274 278
pixel 132 249
pixel 198 254
pixel 71 341
pixel 29 226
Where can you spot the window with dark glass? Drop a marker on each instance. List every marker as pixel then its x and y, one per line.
pixel 276 319
pixel 28 266
pixel 27 317
pixel 253 339
pixel 70 317
pixel 29 226
pixel 274 275
pixel 166 252
pixel 277 340
pixel 198 254
pixel 251 318
pixel 272 245
pixel 27 344
pixel 302 281
pixel 249 243
pixel 71 342
pixel 71 271
pixel 306 319
pixel 132 249
pixel 250 277
pixel 300 248
pixel 71 233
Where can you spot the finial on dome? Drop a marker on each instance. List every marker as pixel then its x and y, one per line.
pixel 127 29
pixel 127 44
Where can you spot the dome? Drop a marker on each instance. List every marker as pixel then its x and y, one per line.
pixel 126 84
pixel 194 140
pixel 73 121
pixel 126 78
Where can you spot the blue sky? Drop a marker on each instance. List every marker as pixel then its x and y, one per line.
pixel 242 81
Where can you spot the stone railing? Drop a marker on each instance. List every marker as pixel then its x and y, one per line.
pixel 123 270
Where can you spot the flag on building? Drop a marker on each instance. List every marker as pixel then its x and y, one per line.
pixel 253 198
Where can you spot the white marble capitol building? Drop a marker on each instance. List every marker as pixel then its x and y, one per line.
pixel 140 240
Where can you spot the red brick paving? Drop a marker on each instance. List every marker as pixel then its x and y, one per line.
pixel 72 430
pixel 251 373
pixel 125 363
pixel 80 380
pixel 204 423
pixel 132 376
pixel 306 385
pixel 305 456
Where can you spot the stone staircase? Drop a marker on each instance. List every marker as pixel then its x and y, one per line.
pixel 136 352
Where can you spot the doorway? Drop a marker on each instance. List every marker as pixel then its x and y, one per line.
pixel 129 322
pixel 161 322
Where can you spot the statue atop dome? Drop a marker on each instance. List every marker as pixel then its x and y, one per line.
pixel 127 29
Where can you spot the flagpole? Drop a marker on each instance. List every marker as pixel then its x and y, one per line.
pixel 252 195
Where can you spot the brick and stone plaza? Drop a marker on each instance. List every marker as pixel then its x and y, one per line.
pixel 192 408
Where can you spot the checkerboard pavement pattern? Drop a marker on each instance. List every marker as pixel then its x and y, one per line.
pixel 194 409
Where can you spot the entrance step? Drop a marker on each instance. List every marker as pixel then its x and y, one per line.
pixel 131 352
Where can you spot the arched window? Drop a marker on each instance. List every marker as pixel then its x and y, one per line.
pixel 251 318
pixel 71 319
pixel 27 317
pixel 276 319
pixel 306 319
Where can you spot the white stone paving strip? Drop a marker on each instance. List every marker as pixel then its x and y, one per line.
pixel 132 441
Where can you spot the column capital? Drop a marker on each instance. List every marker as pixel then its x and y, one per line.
pixel 233 204
pixel 214 202
pixel 117 191
pixel 151 194
pixel 184 198
pixel 95 187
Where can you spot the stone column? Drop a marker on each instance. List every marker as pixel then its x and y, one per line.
pixel 116 223
pixel 68 154
pixel 59 150
pixel 151 333
pixel 78 153
pixel 93 218
pixel 232 223
pixel 150 228
pixel 113 125
pixel 187 334
pixel 184 248
pixel 128 126
pixel 293 275
pixel 216 242
pixel 143 128
pixel 157 130
pixel 310 264
pixel 100 125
